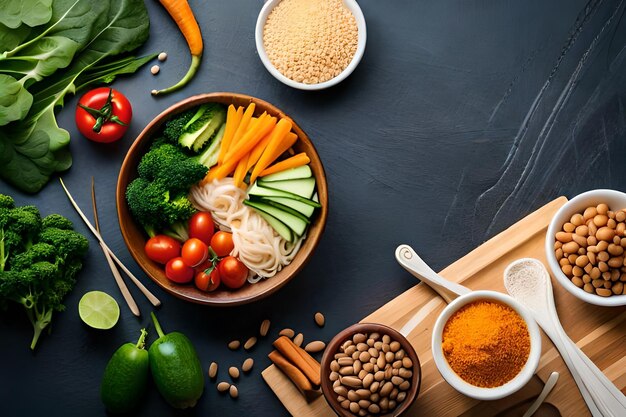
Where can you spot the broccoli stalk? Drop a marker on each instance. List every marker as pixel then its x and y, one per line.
pixel 39 260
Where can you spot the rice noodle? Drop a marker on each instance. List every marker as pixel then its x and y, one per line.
pixel 257 244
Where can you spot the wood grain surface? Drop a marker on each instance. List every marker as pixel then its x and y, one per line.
pixel 598 331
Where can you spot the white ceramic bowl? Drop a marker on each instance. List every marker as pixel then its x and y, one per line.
pixel 353 6
pixel 616 200
pixel 471 390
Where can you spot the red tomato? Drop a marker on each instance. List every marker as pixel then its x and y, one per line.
pixel 207 282
pixel 161 248
pixel 107 117
pixel 177 271
pixel 194 252
pixel 201 226
pixel 233 272
pixel 222 243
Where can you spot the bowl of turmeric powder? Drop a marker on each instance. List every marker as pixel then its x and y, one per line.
pixel 486 345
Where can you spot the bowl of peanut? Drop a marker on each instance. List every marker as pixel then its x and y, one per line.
pixel 370 369
pixel 586 244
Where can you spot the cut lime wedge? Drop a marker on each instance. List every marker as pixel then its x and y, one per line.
pixel 98 310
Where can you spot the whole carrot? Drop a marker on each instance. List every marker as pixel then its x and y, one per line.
pixel 182 14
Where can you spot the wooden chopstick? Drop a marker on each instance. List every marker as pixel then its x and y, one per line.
pixel 151 297
pixel 128 297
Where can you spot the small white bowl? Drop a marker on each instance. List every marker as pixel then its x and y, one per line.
pixel 455 380
pixel 616 200
pixel 353 6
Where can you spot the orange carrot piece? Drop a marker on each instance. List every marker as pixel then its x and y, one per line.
pixel 240 172
pixel 243 125
pixel 278 135
pixel 256 153
pixel 287 143
pixel 251 138
pixel 233 118
pixel 293 162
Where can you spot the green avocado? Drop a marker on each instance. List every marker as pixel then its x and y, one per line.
pixel 175 368
pixel 126 377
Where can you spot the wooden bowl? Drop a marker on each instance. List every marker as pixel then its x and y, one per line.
pixel 135 237
pixel 337 341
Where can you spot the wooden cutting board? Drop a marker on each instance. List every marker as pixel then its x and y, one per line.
pixel 599 331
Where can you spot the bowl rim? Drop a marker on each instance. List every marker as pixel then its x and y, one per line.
pixel 480 393
pixel 343 335
pixel 353 6
pixel 122 206
pixel 556 223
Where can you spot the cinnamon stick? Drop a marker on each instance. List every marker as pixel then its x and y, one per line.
pixel 294 374
pixel 300 358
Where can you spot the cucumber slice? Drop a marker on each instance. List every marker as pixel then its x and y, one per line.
pixel 303 208
pixel 208 158
pixel 304 187
pixel 285 208
pixel 280 227
pixel 303 171
pixel 295 223
pixel 259 191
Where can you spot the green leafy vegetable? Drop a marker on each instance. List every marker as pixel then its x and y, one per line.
pixel 29 12
pixel 75 49
pixel 39 260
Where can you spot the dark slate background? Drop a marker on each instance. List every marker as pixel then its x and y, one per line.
pixel 462 118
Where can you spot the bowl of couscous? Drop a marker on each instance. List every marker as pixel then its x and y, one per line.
pixel 310 44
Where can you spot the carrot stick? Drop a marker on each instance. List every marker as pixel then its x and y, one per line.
pixel 309 366
pixel 240 171
pixel 293 162
pixel 251 138
pixel 182 14
pixel 294 374
pixel 278 134
pixel 233 118
pixel 256 153
pixel 243 125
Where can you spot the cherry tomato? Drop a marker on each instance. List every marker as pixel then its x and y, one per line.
pixel 177 271
pixel 233 272
pixel 161 248
pixel 207 282
pixel 103 115
pixel 222 243
pixel 201 226
pixel 194 252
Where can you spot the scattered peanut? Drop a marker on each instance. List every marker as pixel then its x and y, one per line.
pixel 213 370
pixel 250 343
pixel 233 371
pixel 155 69
pixel 162 56
pixel 247 365
pixel 298 339
pixel 320 320
pixel 316 346
pixel 223 386
pixel 265 327
pixel 233 391
pixel 287 333
pixel 234 345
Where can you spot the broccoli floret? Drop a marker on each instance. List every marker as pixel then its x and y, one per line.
pixel 170 165
pixel 58 221
pixel 6 201
pixel 174 128
pixel 151 205
pixel 39 260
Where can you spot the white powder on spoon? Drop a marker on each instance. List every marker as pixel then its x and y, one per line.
pixel 525 280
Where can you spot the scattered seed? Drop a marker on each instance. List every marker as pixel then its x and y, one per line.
pixel 155 69
pixel 287 332
pixel 162 56
pixel 319 319
pixel 250 343
pixel 233 391
pixel 223 386
pixel 316 346
pixel 265 327
pixel 298 339
pixel 247 365
pixel 233 371
pixel 213 370
pixel 234 345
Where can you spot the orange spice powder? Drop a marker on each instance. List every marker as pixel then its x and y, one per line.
pixel 486 343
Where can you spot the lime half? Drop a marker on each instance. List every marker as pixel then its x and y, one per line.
pixel 98 310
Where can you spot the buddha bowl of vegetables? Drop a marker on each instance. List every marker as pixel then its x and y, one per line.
pixel 222 199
